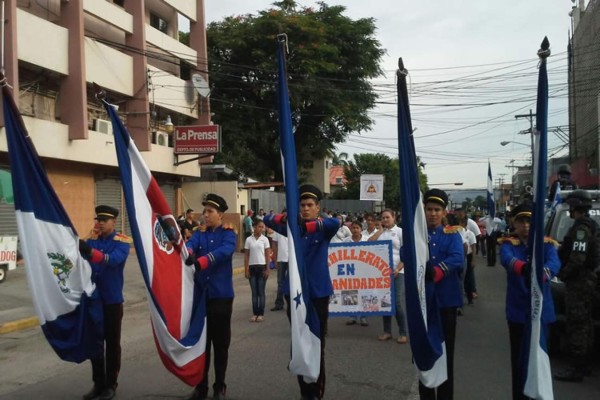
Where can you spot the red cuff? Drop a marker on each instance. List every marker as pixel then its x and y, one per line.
pixel 438 274
pixel 97 256
pixel 518 267
pixel 203 261
pixel 311 227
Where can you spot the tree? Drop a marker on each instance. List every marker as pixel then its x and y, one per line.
pixel 330 63
pixel 480 203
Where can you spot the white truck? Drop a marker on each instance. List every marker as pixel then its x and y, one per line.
pixel 8 255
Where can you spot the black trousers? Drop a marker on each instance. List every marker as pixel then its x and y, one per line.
pixel 515 333
pixel 218 334
pixel 315 389
pixel 446 390
pixel 105 369
pixel 491 249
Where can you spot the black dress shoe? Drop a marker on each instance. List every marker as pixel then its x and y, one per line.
pixel 276 308
pixel 570 374
pixel 93 393
pixel 107 394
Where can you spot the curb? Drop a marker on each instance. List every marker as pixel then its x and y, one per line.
pixel 19 324
pixel 30 322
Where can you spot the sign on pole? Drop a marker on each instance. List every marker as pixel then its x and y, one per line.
pixel 198 139
pixel 361 278
pixel 371 187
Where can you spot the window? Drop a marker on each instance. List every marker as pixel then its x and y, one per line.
pixel 339 180
pixel 119 3
pixel 159 23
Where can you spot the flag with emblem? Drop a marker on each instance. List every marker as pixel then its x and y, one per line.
pixel 538 383
pixel 491 205
pixel 424 325
pixel 306 342
pixel 177 304
pixel 64 298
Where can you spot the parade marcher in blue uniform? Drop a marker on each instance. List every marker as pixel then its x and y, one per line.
pixel 317 233
pixel 513 256
pixel 107 251
pixel 446 259
pixel 211 252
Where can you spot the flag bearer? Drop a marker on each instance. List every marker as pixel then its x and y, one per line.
pixel 107 252
pixel 211 251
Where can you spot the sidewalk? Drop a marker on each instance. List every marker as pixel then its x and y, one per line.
pixel 17 310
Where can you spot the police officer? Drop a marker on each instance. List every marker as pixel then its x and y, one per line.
pixel 563 181
pixel 579 255
pixel 107 252
pixel 317 234
pixel 211 251
pixel 513 257
pixel 446 260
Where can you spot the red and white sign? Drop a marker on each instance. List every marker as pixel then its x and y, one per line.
pixel 197 139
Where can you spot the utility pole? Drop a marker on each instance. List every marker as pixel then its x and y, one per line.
pixel 530 117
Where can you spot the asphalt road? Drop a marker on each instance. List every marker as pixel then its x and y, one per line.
pixel 358 366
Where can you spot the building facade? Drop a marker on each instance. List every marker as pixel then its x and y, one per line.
pixel 56 49
pixel 584 93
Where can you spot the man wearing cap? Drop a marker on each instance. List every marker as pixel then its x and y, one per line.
pixel 247 223
pixel 513 256
pixel 316 236
pixel 446 256
pixel 563 181
pixel 107 251
pixel 579 253
pixel 211 252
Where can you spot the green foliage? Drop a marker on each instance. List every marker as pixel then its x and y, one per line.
pixel 331 60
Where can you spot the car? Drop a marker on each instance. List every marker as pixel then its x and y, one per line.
pixel 557 224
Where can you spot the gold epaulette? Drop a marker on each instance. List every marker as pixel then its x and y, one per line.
pixel 123 238
pixel 452 228
pixel 229 227
pixel 548 239
pixel 509 239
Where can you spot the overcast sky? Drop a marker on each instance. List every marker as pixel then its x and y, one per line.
pixel 472 66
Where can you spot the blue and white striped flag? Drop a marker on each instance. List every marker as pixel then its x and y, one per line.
pixel 306 342
pixel 491 205
pixel 59 279
pixel 557 199
pixel 538 383
pixel 424 325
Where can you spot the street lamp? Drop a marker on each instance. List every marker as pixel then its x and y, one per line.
pixel 504 143
pixel 446 183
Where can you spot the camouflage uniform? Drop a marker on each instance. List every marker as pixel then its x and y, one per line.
pixel 579 256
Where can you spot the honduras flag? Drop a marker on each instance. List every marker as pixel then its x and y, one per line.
pixel 424 325
pixel 557 199
pixel 69 311
pixel 306 342
pixel 177 306
pixel 491 205
pixel 538 384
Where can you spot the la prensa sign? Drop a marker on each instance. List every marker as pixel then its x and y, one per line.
pixel 197 139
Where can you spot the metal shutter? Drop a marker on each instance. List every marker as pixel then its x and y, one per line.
pixel 8 220
pixel 169 192
pixel 108 192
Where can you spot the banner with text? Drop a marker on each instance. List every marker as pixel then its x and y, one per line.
pixel 361 277
pixel 371 187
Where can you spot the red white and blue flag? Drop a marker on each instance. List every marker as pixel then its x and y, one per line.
pixel 64 297
pixel 177 305
pixel 538 383
pixel 424 325
pixel 306 342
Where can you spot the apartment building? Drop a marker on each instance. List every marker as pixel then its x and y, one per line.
pixel 56 49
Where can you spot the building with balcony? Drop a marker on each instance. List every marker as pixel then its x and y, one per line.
pixel 56 49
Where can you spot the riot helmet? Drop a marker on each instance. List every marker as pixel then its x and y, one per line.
pixel 579 200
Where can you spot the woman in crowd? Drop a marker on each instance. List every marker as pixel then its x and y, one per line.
pixel 256 256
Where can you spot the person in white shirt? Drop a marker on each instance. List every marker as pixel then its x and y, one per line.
pixel 392 232
pixel 370 229
pixel 492 227
pixel 280 253
pixel 342 233
pixel 357 236
pixel 256 256
pixel 470 243
pixel 471 225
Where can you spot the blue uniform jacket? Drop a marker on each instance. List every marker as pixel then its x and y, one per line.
pixel 446 251
pixel 218 245
pixel 108 273
pixel 314 248
pixel 518 298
